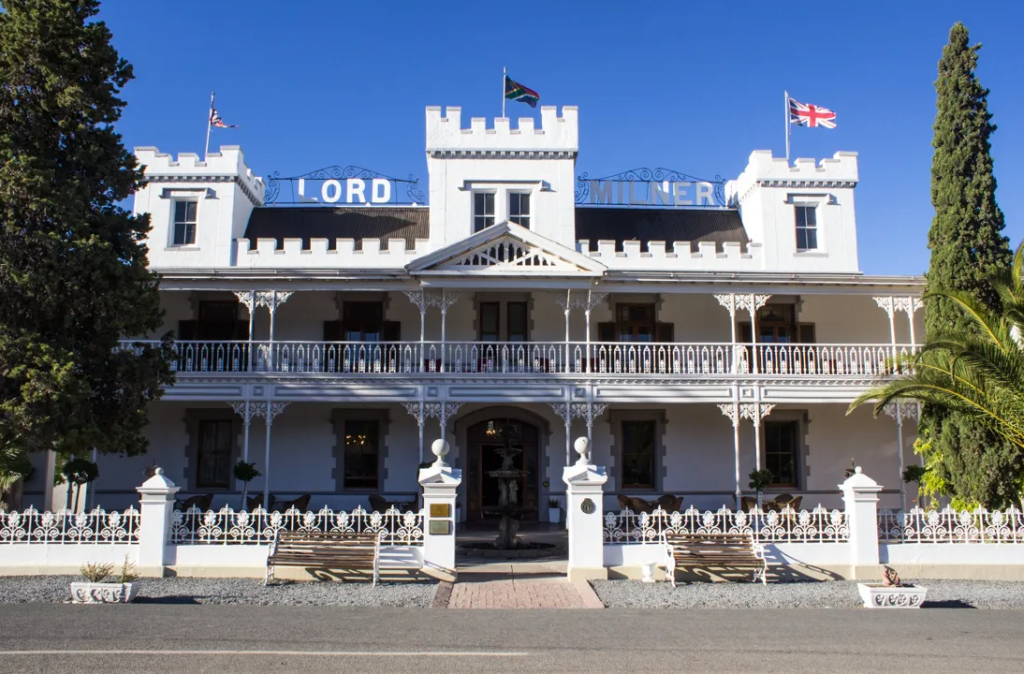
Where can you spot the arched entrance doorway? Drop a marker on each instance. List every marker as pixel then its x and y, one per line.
pixel 482 440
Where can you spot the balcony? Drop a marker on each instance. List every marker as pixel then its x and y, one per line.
pixel 534 359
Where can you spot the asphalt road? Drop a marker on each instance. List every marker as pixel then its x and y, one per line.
pixel 310 640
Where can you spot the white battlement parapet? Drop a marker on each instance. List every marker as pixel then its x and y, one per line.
pixel 556 133
pixel 767 171
pixel 229 163
pixel 265 253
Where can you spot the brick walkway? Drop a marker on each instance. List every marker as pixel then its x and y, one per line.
pixel 519 586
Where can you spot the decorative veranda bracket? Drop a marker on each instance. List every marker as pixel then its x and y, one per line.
pixel 416 411
pixel 441 411
pixel 652 187
pixel 748 302
pixel 246 409
pixel 901 410
pixel 272 299
pixel 326 186
pixel 269 410
pixel 730 410
pixel 908 304
pixel 755 412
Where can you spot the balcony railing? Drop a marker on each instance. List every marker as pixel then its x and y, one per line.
pixel 533 358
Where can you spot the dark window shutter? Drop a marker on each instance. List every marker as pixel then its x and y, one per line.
pixel 665 332
pixel 807 333
pixel 606 332
pixel 746 335
pixel 186 330
pixel 332 331
pixel 242 329
pixel 391 331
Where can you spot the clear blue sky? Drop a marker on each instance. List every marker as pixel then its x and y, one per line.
pixel 689 86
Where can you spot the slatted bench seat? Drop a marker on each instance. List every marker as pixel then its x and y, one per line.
pixel 734 551
pixel 348 551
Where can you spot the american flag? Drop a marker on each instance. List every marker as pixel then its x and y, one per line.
pixel 805 114
pixel 215 120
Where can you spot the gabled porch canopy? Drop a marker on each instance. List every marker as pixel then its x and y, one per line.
pixel 505 250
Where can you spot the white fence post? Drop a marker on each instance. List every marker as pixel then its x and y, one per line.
pixel 860 494
pixel 440 483
pixel 584 515
pixel 155 513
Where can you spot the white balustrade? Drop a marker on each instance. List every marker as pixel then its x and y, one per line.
pixel 787 526
pixel 239 527
pixel 66 527
pixel 951 526
pixel 534 358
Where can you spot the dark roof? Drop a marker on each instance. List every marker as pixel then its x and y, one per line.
pixel 659 224
pixel 354 222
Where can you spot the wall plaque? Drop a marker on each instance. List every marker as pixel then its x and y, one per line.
pixel 440 510
pixel 588 507
pixel 440 527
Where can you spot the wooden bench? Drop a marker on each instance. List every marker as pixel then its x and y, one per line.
pixel 736 551
pixel 348 551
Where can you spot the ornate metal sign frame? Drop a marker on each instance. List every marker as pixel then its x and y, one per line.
pixel 273 196
pixel 651 177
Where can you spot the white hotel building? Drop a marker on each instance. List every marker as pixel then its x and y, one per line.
pixel 693 343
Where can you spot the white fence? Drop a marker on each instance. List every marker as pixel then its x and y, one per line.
pixel 788 526
pixel 68 527
pixel 230 527
pixel 951 526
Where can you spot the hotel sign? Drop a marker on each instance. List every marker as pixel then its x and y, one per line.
pixel 657 187
pixel 341 186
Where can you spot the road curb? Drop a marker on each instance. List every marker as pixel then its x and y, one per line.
pixel 443 593
pixel 587 594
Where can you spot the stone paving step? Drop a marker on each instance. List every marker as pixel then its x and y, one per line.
pixel 520 585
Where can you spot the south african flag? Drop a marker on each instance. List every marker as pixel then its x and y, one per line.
pixel 517 92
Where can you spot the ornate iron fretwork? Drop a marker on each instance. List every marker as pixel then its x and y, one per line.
pixel 272 195
pixel 649 175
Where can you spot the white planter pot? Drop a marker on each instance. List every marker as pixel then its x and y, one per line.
pixel 554 514
pixel 879 596
pixel 103 593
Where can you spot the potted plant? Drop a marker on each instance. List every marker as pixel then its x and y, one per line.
pixel 759 481
pixel 554 510
pixel 94 590
pixel 245 473
pixel 891 593
pixel 79 472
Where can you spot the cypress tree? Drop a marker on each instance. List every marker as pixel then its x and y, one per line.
pixel 73 271
pixel 967 248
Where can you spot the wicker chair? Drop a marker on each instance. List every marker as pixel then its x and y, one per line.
pixel 747 503
pixel 379 504
pixel 670 503
pixel 639 505
pixel 795 503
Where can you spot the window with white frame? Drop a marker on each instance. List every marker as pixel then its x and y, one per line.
pixel 483 210
pixel 806 228
pixel 184 222
pixel 519 208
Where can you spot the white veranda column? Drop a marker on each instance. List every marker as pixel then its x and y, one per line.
pixel 443 301
pixel 887 304
pixel 565 413
pixel 587 303
pixel 418 413
pixel 751 303
pixel 732 411
pixel 756 412
pixel 268 410
pixel 910 305
pixel 272 299
pixel 248 299
pixel 419 300
pixel 898 411
pixel 565 302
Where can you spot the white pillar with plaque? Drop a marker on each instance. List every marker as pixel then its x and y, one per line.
pixel 585 515
pixel 440 484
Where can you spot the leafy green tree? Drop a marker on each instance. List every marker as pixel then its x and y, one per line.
pixel 967 250
pixel 975 373
pixel 73 273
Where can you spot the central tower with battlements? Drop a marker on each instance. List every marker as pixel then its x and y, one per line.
pixel 483 175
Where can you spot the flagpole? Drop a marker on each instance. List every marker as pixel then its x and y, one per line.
pixel 209 115
pixel 786 107
pixel 504 75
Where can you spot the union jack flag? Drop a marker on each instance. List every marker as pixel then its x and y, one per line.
pixel 215 120
pixel 805 114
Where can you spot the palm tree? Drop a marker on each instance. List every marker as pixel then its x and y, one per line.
pixel 978 371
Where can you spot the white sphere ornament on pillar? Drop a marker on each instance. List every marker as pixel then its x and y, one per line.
pixel 582 447
pixel 440 449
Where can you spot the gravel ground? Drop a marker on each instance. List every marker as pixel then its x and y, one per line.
pixel 54 589
pixel 829 594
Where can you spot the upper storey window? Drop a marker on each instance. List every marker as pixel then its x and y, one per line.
pixel 184 223
pixel 483 210
pixel 519 208
pixel 806 228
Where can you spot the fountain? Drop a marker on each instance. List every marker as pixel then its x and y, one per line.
pixel 508 477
